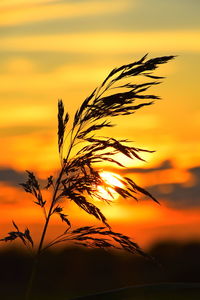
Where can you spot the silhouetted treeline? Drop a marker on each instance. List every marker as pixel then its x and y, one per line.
pixel 72 272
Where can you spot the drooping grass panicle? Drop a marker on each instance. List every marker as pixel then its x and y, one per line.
pixel 25 236
pixel 98 105
pixel 79 178
pixel 80 150
pixel 101 237
pixel 32 186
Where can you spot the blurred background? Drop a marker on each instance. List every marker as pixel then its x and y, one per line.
pixel 56 49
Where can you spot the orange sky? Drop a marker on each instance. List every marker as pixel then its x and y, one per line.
pixel 64 49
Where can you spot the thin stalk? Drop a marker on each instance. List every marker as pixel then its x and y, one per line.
pixel 31 280
pixel 35 263
pixel 40 247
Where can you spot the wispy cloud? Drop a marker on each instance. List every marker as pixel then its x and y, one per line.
pixel 12 176
pixel 23 76
pixel 18 3
pixel 106 42
pixel 35 11
pixel 165 165
pixel 13 130
pixel 30 114
pixel 180 195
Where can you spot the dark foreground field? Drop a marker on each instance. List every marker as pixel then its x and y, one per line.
pixel 76 272
pixel 162 291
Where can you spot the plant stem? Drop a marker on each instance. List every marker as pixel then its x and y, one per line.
pixel 31 280
pixel 34 268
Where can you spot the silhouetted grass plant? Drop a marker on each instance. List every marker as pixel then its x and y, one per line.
pixel 80 149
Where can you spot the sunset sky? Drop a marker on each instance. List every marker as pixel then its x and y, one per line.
pixel 50 50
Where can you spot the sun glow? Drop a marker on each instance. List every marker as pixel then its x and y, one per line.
pixel 113 180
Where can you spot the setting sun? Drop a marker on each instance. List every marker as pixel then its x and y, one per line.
pixel 113 180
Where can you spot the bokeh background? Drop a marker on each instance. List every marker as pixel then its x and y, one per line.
pixel 50 50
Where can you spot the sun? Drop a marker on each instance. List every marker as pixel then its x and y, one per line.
pixel 113 180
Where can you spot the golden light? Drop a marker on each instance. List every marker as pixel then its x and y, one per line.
pixel 113 180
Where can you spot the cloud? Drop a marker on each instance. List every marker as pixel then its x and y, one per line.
pixel 19 65
pixel 32 115
pixel 11 131
pixel 106 42
pixel 176 195
pixel 165 165
pixel 27 78
pixel 196 172
pixel 11 176
pixel 51 10
pixel 179 195
pixel 14 177
pixel 18 3
pixel 155 16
